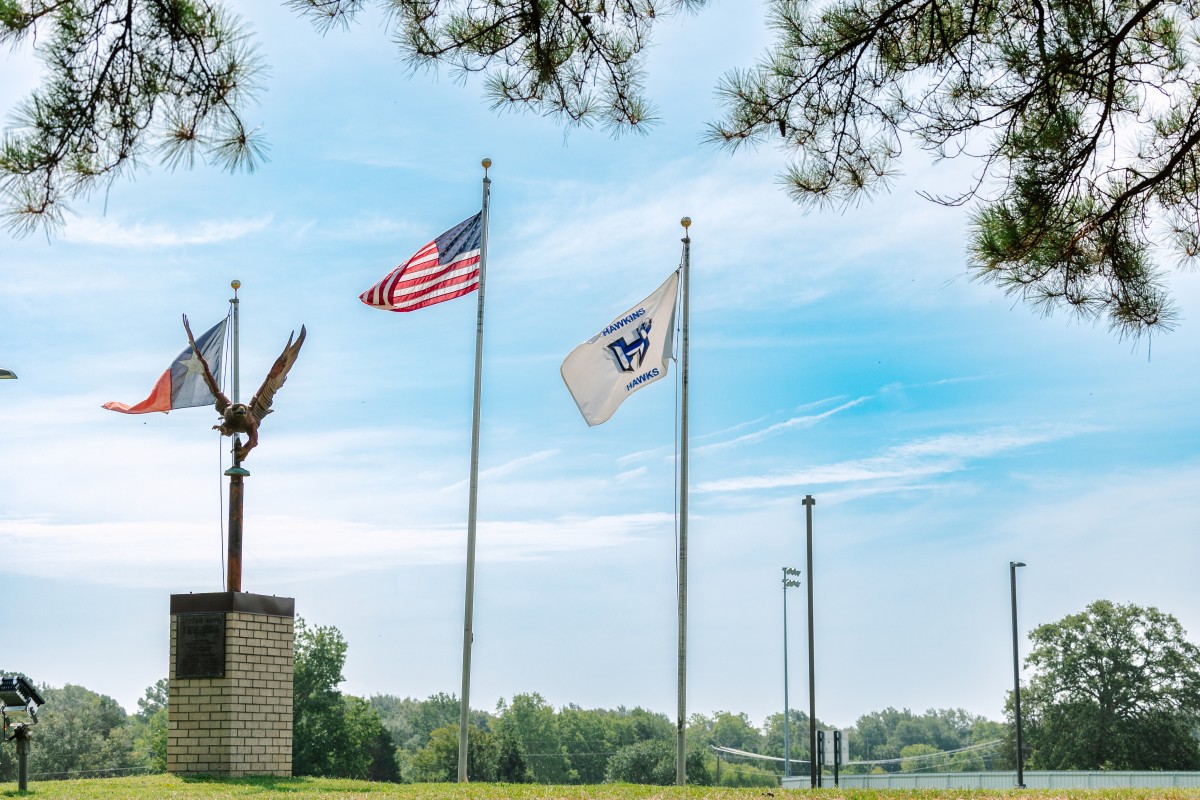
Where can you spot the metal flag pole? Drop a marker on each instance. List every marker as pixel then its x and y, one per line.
pixel 809 502
pixel 234 303
pixel 233 577
pixel 685 276
pixel 473 502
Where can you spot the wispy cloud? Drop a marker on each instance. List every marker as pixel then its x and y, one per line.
pixel 113 233
pixel 368 227
pixel 796 422
pixel 921 458
pixel 803 421
pixel 158 553
pixel 509 467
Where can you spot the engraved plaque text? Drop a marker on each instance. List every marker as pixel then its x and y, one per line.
pixel 200 645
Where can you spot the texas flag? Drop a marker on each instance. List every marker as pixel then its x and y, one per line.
pixel 182 385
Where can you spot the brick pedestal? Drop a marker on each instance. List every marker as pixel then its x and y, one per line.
pixel 230 703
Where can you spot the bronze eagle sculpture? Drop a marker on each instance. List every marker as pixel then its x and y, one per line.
pixel 246 417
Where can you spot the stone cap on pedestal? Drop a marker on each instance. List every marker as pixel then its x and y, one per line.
pixel 242 602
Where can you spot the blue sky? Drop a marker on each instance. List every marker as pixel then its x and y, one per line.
pixel 943 429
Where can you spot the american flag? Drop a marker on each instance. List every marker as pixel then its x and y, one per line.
pixel 446 268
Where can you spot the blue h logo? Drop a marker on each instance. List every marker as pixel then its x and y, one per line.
pixel 630 355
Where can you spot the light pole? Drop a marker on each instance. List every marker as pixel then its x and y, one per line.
pixel 1012 576
pixel 788 582
pixel 808 503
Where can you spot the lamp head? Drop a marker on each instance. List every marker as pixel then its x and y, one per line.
pixel 19 699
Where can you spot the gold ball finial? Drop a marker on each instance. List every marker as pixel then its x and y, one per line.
pixel 686 222
pixel 487 163
pixel 236 284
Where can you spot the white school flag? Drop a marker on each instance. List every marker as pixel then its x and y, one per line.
pixel 630 353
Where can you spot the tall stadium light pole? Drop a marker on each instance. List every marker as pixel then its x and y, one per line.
pixel 809 502
pixel 1012 576
pixel 789 581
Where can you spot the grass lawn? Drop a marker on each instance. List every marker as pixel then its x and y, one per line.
pixel 171 787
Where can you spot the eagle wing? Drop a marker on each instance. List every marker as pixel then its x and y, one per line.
pixel 260 405
pixel 222 400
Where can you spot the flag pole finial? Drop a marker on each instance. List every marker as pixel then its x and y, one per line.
pixel 686 222
pixel 487 164
pixel 236 284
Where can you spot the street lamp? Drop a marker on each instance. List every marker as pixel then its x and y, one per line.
pixel 814 776
pixel 1012 575
pixel 789 581
pixel 7 374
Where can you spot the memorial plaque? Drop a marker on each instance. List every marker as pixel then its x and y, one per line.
pixel 200 645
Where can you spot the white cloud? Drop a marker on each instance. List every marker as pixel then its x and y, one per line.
pixel 168 553
pixel 805 421
pixel 113 233
pixel 508 468
pixel 922 458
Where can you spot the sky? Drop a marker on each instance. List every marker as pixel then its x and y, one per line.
pixel 943 428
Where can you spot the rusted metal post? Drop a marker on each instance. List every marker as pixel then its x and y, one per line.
pixel 22 741
pixel 233 581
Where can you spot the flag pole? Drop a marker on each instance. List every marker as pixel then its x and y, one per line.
pixel 234 302
pixel 473 502
pixel 681 750
pixel 233 562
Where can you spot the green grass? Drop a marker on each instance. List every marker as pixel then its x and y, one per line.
pixel 172 787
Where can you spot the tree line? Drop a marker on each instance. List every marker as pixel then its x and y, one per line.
pixel 1112 687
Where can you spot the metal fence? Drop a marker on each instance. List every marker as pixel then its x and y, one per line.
pixel 1035 779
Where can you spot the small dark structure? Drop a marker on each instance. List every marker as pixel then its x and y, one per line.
pixel 21 701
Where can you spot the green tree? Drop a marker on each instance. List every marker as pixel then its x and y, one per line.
pixel 80 734
pixel 741 773
pixel 316 701
pixel 918 758
pixel 587 738
pixel 360 747
pixel 736 731
pixel 333 735
pixel 397 714
pixel 437 761
pixel 885 735
pixel 632 725
pixel 1116 687
pixel 149 727
pixel 1082 117
pixel 172 78
pixel 530 747
pixel 411 724
pixel 797 734
pixel 166 76
pixel 652 761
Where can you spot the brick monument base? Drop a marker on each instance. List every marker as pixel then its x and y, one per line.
pixel 229 709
